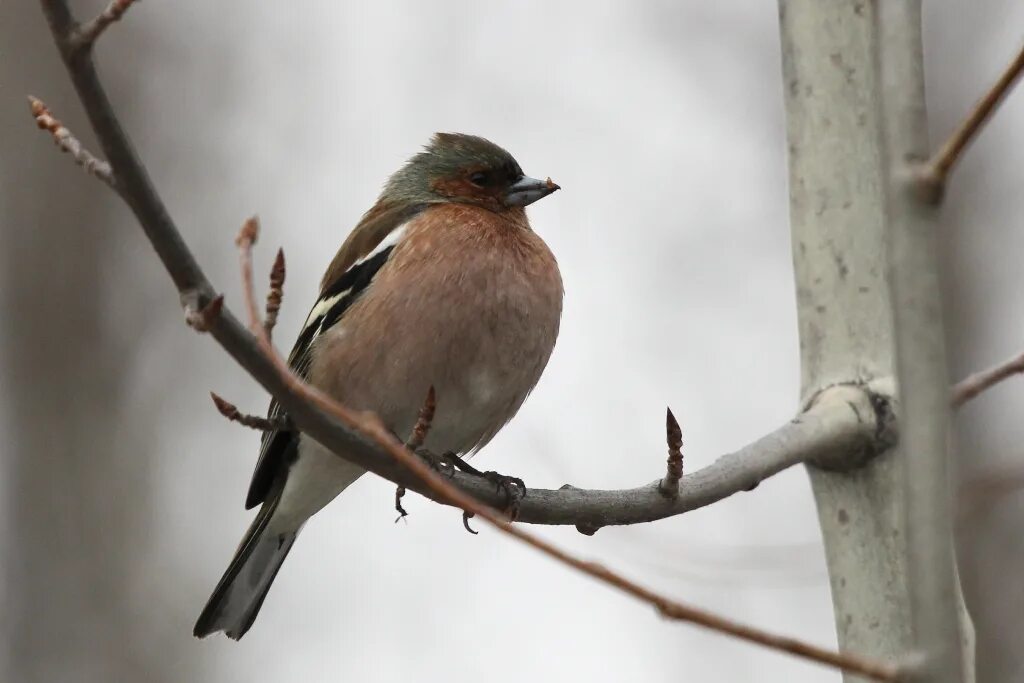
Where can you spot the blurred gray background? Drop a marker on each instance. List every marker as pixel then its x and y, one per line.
pixel 122 488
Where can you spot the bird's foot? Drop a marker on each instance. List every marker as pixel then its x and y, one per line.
pixel 439 463
pixel 513 487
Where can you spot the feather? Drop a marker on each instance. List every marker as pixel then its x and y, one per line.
pixel 278 448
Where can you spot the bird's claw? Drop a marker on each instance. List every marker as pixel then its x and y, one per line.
pixel 447 463
pixel 514 488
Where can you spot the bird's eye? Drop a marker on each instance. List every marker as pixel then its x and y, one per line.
pixel 479 178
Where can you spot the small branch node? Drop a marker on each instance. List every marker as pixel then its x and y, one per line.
pixel 203 319
pixel 261 424
pixel 276 293
pixel 669 485
pixel 927 184
pixel 67 142
pixel 83 37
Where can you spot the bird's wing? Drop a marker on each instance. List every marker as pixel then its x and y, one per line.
pixel 278 449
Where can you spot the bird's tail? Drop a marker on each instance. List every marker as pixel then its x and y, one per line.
pixel 238 597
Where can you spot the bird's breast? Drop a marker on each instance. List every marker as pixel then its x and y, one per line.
pixel 467 306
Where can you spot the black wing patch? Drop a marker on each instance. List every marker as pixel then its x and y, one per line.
pixel 279 449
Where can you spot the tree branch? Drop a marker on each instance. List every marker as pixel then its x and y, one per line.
pixel 835 424
pixel 919 338
pixel 972 385
pixel 938 168
pixel 446 492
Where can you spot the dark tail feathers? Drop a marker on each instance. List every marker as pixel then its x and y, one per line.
pixel 238 597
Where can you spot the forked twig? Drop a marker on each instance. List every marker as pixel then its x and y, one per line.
pixel 86 35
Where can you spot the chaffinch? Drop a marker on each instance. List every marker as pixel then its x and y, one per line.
pixel 442 283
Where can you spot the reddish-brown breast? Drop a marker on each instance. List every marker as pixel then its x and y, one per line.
pixel 469 302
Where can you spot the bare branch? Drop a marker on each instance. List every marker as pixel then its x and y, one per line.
pixel 938 168
pixel 70 144
pixel 276 293
pixel 972 385
pixel 262 424
pixel 370 425
pixel 669 485
pixel 86 35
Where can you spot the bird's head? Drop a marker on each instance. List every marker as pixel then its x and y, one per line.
pixel 452 169
pixel 465 169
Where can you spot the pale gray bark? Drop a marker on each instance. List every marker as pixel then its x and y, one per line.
pixel 838 228
pixel 847 308
pixel 935 600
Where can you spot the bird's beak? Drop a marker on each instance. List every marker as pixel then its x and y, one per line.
pixel 526 191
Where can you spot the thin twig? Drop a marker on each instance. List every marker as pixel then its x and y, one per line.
pixel 276 293
pixel 67 142
pixel 972 385
pixel 943 161
pixel 246 238
pixel 87 34
pixel 261 424
pixel 669 485
pixel 370 425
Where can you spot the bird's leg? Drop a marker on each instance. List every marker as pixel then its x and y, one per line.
pixel 514 487
pixel 399 493
pixel 438 463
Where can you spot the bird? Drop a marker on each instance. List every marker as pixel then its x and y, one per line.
pixel 442 283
